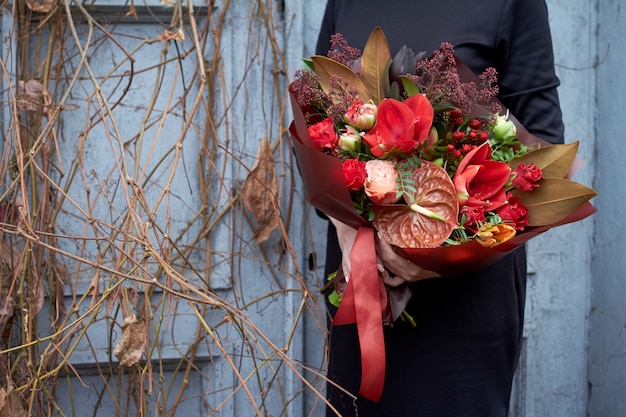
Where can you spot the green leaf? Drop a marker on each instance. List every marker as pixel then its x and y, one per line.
pixel 334 298
pixel 308 63
pixel 409 86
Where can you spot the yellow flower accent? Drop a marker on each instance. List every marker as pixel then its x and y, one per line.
pixel 490 235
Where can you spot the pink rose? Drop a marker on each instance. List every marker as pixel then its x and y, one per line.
pixel 324 135
pixel 380 185
pixel 354 173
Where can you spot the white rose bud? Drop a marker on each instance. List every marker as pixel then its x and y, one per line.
pixel 350 140
pixel 504 128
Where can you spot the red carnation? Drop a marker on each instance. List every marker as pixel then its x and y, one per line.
pixel 514 212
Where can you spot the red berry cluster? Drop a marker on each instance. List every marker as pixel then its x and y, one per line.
pixel 461 137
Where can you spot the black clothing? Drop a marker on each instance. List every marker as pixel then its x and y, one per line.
pixel 460 359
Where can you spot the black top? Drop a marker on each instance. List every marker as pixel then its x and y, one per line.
pixel 461 357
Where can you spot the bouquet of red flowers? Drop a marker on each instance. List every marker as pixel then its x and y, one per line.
pixel 419 151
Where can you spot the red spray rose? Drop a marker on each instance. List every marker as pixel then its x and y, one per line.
pixel 527 176
pixel 324 135
pixel 354 173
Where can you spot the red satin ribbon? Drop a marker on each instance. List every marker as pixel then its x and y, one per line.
pixel 362 304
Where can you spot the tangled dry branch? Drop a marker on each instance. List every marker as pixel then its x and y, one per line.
pixel 151 237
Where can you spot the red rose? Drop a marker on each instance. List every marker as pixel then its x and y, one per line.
pixel 527 176
pixel 514 212
pixel 354 173
pixel 401 126
pixel 480 181
pixel 324 135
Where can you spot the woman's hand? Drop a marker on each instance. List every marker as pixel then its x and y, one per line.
pixel 397 270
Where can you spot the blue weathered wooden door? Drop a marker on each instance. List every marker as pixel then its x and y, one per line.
pixel 159 230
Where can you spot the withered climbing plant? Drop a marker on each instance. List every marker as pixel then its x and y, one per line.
pixel 151 227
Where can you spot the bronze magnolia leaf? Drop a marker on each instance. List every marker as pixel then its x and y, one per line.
pixel 406 228
pixel 325 68
pixel 553 160
pixel 554 200
pixel 375 63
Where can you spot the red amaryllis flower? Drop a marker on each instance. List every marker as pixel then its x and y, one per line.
pixel 480 181
pixel 514 212
pixel 401 126
pixel 527 176
pixel 354 173
pixel 324 135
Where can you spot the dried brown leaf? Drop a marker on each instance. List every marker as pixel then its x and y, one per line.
pixel 44 7
pixel 132 344
pixel 132 11
pixel 11 404
pixel 260 193
pixel 176 35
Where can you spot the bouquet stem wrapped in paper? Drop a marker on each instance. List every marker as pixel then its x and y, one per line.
pixel 418 152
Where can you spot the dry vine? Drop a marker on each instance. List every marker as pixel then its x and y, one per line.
pixel 147 223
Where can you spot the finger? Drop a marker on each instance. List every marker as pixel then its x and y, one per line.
pixel 394 281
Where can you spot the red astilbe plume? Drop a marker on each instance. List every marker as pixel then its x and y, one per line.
pixel 438 78
pixel 306 90
pixel 340 51
pixel 342 96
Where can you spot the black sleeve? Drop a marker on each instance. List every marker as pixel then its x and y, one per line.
pixel 526 69
pixel 326 30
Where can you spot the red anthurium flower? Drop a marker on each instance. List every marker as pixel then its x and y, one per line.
pixel 480 181
pixel 400 126
pixel 527 176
